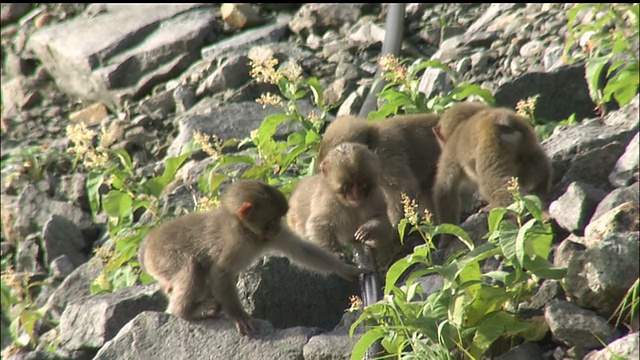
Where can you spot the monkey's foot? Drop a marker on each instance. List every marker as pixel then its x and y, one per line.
pixel 247 326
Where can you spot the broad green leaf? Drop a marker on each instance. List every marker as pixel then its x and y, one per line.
pixel 594 67
pixel 520 241
pixel 28 321
pixel 495 218
pixel 94 181
pixel 489 330
pixel 316 91
pixel 156 185
pixel 457 231
pixel 125 160
pixel 116 203
pixel 269 126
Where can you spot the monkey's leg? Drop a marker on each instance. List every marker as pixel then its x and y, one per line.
pixel 226 294
pixel 185 292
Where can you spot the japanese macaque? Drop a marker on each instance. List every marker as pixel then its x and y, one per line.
pixel 344 204
pixel 408 151
pixel 196 258
pixel 484 147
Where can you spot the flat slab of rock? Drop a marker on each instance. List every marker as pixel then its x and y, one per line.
pixel 124 50
pixel 155 335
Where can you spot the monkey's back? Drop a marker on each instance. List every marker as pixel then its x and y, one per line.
pixel 200 237
pixel 415 132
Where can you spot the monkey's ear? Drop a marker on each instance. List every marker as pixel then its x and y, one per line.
pixel 245 209
pixel 436 131
pixel 324 168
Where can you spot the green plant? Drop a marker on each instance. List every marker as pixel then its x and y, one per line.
pixel 30 163
pixel 114 187
pixel 606 34
pixel 627 310
pixel 474 309
pixel 276 162
pixel 21 310
pixel 401 92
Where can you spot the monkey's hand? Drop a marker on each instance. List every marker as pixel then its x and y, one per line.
pixel 371 232
pixel 247 326
pixel 351 272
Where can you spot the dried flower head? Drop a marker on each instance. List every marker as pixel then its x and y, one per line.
pixel 428 216
pixel 527 107
pixel 355 303
pixel 214 150
pixel 96 158
pixel 206 203
pixel 391 64
pixel 293 72
pixel 410 209
pixel 264 70
pixel 81 137
pixel 513 186
pixel 269 99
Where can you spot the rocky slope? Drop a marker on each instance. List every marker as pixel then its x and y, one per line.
pixel 161 71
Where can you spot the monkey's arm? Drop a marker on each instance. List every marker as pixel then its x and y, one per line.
pixel 226 294
pixel 311 256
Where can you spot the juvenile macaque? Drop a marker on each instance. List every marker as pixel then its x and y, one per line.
pixel 196 258
pixel 407 149
pixel 344 203
pixel 485 147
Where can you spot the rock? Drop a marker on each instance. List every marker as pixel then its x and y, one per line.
pixel 623 348
pixel 212 338
pixel 626 169
pixel 317 18
pixel 91 115
pixel 575 326
pixel 12 12
pixel 36 209
pixel 229 75
pixel 92 59
pixel 247 115
pixel 599 277
pixel 336 344
pixel 270 32
pixel 617 197
pixel 76 286
pixel 88 324
pixel 240 16
pixel 574 208
pixel 572 146
pixel 435 81
pixel 62 237
pixel 288 296
pixel 526 351
pixel 562 93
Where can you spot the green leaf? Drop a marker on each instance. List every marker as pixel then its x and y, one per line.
pixel 316 91
pixel 156 185
pixel 269 126
pixel 94 181
pixel 594 67
pixel 395 271
pixel 28 320
pixel 116 203
pixel 125 160
pixel 520 239
pixel 495 218
pixel 457 231
pixel 360 348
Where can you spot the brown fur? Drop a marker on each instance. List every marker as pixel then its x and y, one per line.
pixel 407 149
pixel 196 258
pixel 485 147
pixel 321 208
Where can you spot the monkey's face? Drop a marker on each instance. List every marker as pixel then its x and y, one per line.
pixel 354 192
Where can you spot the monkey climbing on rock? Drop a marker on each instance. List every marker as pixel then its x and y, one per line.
pixel 485 147
pixel 196 258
